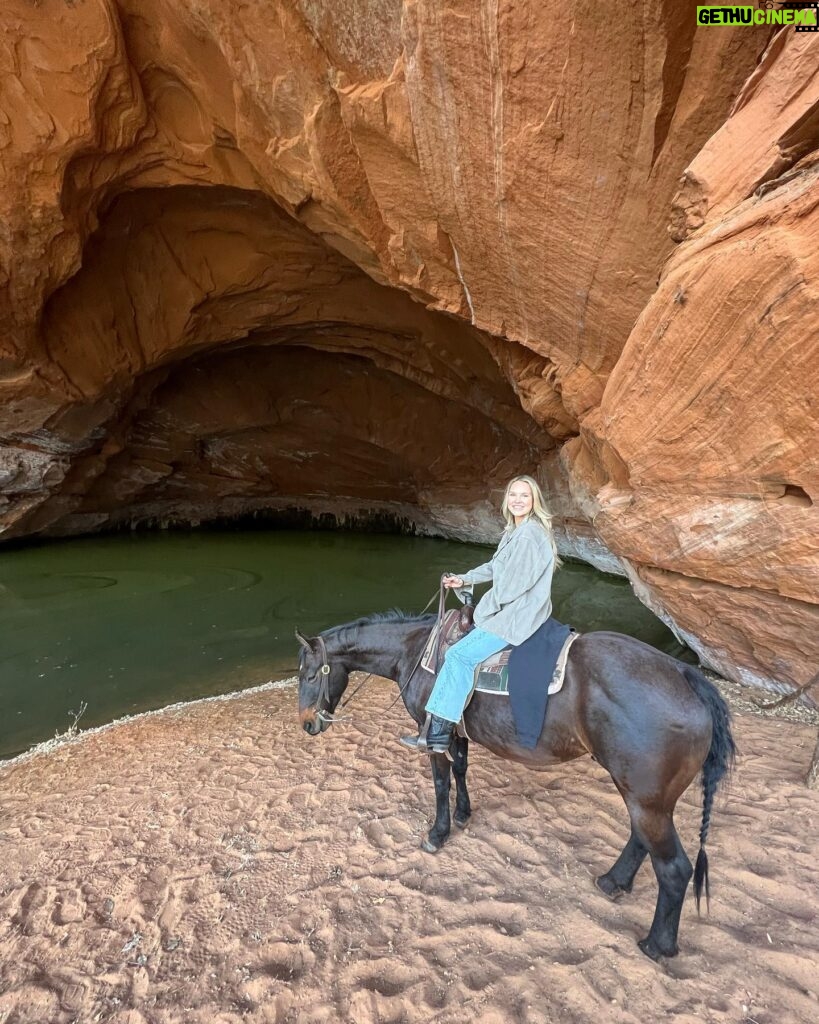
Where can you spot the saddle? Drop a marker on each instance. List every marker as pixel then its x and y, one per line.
pixel 492 674
pixel 448 630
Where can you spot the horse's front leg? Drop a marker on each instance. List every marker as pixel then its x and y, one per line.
pixel 463 808
pixel 439 833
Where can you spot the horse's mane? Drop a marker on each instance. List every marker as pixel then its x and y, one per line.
pixel 393 615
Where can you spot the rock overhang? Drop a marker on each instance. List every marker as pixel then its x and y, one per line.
pixel 455 217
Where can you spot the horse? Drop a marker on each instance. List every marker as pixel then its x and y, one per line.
pixel 652 722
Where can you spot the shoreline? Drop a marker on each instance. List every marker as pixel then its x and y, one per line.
pixel 740 699
pixel 73 736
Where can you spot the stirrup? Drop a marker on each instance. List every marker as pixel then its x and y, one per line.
pixel 438 742
pixel 418 743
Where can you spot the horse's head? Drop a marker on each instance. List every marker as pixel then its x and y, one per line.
pixel 322 682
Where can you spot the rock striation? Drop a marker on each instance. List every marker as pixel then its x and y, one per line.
pixel 373 256
pixel 701 465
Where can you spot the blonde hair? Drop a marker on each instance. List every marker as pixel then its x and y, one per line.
pixel 539 510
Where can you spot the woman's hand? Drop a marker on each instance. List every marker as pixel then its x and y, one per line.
pixel 452 582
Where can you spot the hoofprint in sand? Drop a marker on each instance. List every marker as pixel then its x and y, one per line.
pixel 212 864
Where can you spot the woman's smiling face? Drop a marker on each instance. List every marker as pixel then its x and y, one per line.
pixel 519 500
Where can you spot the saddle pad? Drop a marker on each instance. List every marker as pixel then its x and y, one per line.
pixel 492 675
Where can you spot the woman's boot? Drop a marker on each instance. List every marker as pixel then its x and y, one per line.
pixel 434 738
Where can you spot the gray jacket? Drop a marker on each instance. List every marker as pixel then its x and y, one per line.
pixel 520 599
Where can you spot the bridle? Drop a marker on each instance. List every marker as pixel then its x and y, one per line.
pixel 323 712
pixel 324 671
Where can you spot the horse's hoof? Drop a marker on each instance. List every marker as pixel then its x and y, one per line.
pixel 462 822
pixel 653 952
pixel 429 847
pixel 610 889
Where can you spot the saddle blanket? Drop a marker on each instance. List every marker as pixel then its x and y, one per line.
pixel 492 675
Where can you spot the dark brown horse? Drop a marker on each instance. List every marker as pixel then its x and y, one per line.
pixel 650 721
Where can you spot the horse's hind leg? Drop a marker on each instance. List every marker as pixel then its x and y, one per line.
pixel 673 869
pixel 439 833
pixel 619 879
pixel 463 808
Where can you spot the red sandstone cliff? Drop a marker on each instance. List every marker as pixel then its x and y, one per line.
pixel 264 254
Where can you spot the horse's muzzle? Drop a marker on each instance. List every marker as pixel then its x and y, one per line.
pixel 311 723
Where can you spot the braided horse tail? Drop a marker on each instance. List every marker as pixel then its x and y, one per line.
pixel 718 763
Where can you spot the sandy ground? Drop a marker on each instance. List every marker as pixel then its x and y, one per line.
pixel 214 864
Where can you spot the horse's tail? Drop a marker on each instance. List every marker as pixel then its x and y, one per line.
pixel 718 763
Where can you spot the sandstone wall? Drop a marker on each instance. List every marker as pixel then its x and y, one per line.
pixel 379 254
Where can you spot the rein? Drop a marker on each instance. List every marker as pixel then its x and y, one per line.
pixel 324 687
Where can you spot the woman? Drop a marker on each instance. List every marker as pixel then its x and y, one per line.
pixel 517 605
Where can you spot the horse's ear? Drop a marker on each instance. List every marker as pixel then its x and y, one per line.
pixel 302 639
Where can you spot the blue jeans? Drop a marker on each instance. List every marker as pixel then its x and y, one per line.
pixel 457 675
